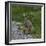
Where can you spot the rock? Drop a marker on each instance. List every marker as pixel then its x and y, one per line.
pixel 17 34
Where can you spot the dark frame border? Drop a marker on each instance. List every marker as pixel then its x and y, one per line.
pixel 6 10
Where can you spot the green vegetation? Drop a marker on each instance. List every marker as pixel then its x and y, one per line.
pixel 34 13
